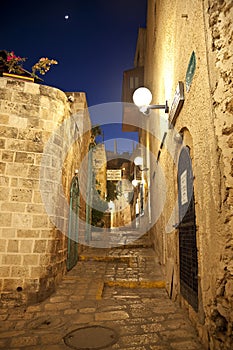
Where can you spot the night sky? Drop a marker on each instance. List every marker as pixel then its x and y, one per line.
pixel 93 46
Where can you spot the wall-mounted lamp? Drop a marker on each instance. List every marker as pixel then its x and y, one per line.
pixel 70 98
pixel 142 98
pixel 135 182
pixel 138 161
pixel 144 169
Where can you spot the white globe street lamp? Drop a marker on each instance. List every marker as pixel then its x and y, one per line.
pixel 142 98
pixel 138 161
pixel 135 183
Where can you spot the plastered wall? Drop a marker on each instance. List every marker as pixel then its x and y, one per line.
pixel 175 30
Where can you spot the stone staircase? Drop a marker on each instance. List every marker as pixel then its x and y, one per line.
pixel 130 263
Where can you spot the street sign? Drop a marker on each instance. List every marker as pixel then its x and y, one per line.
pixel 177 103
pixel 113 174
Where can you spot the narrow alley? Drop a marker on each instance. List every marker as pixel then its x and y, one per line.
pixel 114 298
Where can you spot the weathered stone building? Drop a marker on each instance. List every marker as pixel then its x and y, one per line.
pixel 191 42
pixel 119 181
pixel 100 169
pixel 44 137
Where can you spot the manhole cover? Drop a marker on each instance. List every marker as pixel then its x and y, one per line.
pixel 91 338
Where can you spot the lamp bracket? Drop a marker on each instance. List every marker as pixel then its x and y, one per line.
pixel 146 109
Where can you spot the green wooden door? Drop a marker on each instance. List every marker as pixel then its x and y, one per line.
pixel 72 252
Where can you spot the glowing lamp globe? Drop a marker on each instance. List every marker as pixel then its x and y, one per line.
pixel 135 183
pixel 142 97
pixel 138 161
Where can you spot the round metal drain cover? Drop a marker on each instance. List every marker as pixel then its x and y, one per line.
pixel 91 338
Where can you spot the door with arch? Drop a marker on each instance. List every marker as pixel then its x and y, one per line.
pixel 73 228
pixel 188 259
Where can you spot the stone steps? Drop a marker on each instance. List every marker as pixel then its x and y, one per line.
pixel 130 265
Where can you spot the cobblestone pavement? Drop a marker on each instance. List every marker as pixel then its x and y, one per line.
pixel 119 288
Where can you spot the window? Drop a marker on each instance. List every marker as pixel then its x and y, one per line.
pixel 133 82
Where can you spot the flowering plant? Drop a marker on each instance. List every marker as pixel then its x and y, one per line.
pixel 13 64
pixel 43 65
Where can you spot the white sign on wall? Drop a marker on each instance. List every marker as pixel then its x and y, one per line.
pixel 183 187
pixel 113 174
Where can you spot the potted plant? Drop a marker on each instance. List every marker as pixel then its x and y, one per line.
pixel 11 66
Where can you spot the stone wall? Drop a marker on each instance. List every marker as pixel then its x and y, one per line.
pixel 77 156
pixel 205 121
pixel 100 169
pixel 33 249
pixel 219 21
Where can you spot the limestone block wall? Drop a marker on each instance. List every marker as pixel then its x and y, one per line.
pixel 33 250
pixel 77 155
pixel 205 120
pixel 100 168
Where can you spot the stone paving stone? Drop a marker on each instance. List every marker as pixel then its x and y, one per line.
pixel 58 299
pixel 2 344
pixel 8 334
pixel 113 315
pixel 130 330
pixel 112 308
pixel 3 317
pixel 57 306
pixel 144 318
pixel 190 345
pixel 34 308
pixel 140 311
pixel 160 347
pixel 47 347
pixel 82 318
pixel 139 339
pixel 45 314
pixel 17 316
pixel 5 326
pixel 135 348
pixel 24 341
pixel 20 325
pixel 3 311
pixel 70 312
pixel 76 297
pixel 50 338
pixel 180 323
pixel 87 310
pixel 152 327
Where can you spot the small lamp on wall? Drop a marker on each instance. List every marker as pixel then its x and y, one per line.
pixel 135 182
pixel 142 98
pixel 138 161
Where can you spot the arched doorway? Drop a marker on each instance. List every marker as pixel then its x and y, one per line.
pixel 187 231
pixel 72 247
